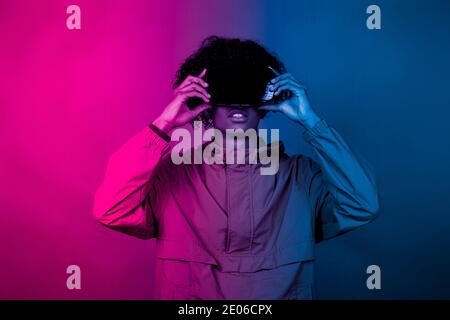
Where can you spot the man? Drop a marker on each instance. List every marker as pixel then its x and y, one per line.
pixel 224 231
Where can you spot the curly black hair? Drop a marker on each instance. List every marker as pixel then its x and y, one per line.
pixel 237 71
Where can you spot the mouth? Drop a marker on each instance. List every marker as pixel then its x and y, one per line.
pixel 238 115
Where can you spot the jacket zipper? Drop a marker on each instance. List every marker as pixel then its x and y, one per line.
pixel 251 206
pixel 227 199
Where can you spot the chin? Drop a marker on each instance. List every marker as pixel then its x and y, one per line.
pixel 239 126
pixel 242 126
pixel 235 127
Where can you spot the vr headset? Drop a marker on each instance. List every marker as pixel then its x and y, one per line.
pixel 236 85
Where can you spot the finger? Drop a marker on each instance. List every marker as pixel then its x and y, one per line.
pixel 185 82
pixel 200 109
pixel 272 84
pixel 274 71
pixel 288 81
pixel 193 93
pixel 191 79
pixel 296 89
pixel 199 81
pixel 281 77
pixel 270 107
pixel 195 86
pixel 279 84
pixel 284 82
pixel 202 74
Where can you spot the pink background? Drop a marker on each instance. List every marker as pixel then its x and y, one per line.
pixel 68 99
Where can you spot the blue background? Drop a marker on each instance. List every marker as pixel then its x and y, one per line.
pixel 387 93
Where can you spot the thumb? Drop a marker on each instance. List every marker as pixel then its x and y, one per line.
pixel 200 109
pixel 270 107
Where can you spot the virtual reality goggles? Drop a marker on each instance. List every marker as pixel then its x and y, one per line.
pixel 240 86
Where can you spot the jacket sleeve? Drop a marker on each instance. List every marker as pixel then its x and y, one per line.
pixel 340 186
pixel 123 202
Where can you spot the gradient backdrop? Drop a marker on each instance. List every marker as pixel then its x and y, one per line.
pixel 68 99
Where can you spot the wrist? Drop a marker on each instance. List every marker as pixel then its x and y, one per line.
pixel 162 124
pixel 310 121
